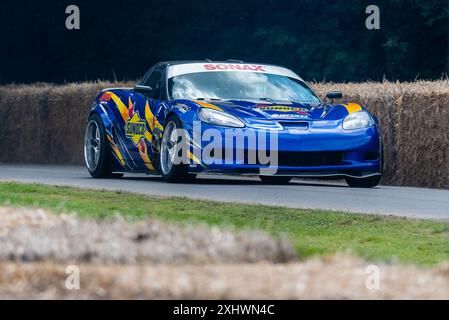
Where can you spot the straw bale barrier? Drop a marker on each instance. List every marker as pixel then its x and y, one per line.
pixel 44 123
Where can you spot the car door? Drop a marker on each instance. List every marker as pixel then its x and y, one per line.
pixel 146 104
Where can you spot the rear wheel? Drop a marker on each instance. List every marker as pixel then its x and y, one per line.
pixel 275 179
pixel 368 182
pixel 97 153
pixel 171 149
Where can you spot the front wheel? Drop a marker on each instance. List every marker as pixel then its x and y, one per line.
pixel 368 182
pixel 275 179
pixel 173 142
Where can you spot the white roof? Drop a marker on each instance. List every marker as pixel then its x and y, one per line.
pixel 180 69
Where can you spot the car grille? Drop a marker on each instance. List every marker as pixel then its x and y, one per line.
pixel 305 159
pixel 297 159
pixel 310 159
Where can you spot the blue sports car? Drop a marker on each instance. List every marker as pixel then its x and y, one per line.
pixel 188 117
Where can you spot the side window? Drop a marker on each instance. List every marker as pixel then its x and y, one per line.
pixel 154 80
pixel 145 77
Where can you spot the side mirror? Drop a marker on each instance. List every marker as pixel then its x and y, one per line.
pixel 147 90
pixel 334 95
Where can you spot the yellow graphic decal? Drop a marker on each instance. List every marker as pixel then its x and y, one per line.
pixel 143 152
pixel 151 119
pixel 148 136
pixel 116 151
pixel 194 158
pixel 352 107
pixel 120 105
pixel 208 105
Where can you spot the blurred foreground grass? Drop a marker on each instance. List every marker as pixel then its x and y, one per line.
pixel 313 232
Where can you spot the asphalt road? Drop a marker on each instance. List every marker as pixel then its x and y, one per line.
pixel 408 202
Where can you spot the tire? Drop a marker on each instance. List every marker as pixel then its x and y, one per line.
pixel 170 171
pixel 97 153
pixel 369 182
pixel 275 179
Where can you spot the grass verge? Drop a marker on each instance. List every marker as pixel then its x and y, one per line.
pixel 313 232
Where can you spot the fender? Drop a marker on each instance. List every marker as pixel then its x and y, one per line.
pixel 107 116
pixel 186 111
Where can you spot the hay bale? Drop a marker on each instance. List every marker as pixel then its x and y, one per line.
pixel 334 277
pixel 44 123
pixel 414 121
pixel 30 235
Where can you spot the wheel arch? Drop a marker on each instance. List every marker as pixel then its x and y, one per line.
pixel 172 113
pixel 106 116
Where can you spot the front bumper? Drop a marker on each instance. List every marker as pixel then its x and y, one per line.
pixel 325 152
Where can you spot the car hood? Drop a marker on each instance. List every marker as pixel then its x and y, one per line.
pixel 277 110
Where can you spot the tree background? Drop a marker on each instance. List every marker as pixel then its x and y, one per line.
pixel 320 40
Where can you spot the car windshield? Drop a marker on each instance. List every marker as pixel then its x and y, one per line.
pixel 235 85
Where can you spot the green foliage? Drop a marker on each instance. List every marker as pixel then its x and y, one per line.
pixel 321 40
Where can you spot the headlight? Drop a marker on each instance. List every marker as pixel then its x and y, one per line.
pixel 219 118
pixel 358 120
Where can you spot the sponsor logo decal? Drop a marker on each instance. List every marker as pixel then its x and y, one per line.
pixel 182 107
pixel 187 68
pixel 234 67
pixel 135 128
pixel 286 116
pixel 296 112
